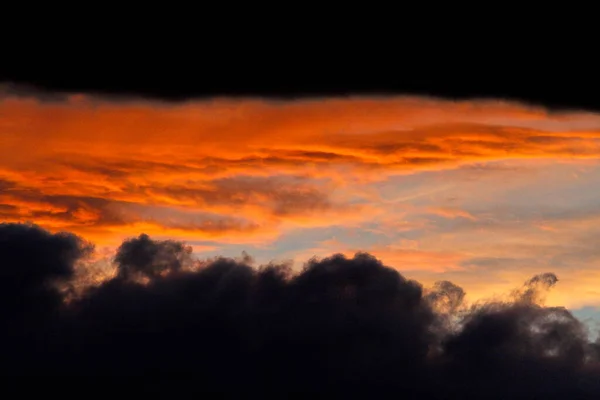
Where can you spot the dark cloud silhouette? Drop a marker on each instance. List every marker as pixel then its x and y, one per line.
pixel 534 289
pixel 293 74
pixel 31 260
pixel 149 258
pixel 339 327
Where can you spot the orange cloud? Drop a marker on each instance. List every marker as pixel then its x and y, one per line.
pixel 248 169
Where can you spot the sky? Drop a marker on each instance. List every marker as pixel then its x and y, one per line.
pixel 410 245
pixel 459 188
pixel 482 193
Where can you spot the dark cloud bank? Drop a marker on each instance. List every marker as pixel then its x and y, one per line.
pixel 173 326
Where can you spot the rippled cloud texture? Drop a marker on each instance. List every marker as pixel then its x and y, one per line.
pixel 485 194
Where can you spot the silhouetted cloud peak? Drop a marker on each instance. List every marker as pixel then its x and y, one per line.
pixel 339 326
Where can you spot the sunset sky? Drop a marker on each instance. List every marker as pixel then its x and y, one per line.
pixel 482 193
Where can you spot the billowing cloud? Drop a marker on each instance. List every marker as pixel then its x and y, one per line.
pixel 341 325
pixel 31 261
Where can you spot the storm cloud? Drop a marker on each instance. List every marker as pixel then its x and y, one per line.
pixel 339 326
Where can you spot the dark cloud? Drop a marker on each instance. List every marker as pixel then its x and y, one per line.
pixel 32 263
pixel 446 296
pixel 339 327
pixel 151 258
pixel 30 92
pixel 535 288
pixel 292 73
pixel 31 259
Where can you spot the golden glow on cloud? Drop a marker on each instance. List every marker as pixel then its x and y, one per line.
pixel 250 172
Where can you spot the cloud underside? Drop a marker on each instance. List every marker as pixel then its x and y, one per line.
pixel 339 326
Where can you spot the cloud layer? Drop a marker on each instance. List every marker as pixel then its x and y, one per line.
pixel 487 192
pixel 340 326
